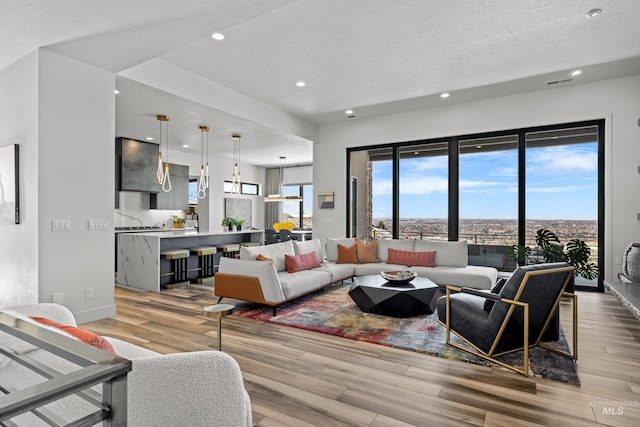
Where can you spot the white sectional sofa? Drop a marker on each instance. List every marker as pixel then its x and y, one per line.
pixel 196 388
pixel 269 282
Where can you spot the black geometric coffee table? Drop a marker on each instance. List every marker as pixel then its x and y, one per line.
pixel 373 294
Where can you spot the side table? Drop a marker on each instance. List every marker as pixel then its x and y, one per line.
pixel 218 311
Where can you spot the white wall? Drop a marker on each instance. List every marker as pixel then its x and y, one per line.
pixel 76 182
pixel 617 101
pixel 221 169
pixel 297 175
pixel 19 243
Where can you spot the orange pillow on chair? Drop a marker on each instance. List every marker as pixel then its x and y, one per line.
pixel 347 255
pixel 83 335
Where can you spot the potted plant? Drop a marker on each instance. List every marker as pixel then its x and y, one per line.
pixel 228 222
pixel 575 253
pixel 238 223
pixel 178 222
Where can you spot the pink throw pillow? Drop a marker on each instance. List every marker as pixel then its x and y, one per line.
pixel 411 259
pixel 295 263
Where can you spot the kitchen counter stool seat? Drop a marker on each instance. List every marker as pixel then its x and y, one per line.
pixel 206 262
pixel 229 250
pixel 179 258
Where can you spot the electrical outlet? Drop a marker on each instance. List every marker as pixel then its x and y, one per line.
pixel 89 293
pixel 60 224
pixel 619 260
pixel 98 224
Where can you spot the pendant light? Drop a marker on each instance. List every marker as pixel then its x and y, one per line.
pixel 235 180
pixel 206 168
pixel 160 171
pixel 163 175
pixel 202 180
pixel 280 197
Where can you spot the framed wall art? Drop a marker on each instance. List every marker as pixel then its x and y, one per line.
pixel 9 185
pixel 325 200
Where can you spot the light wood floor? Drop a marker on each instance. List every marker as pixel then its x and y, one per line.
pixel 302 378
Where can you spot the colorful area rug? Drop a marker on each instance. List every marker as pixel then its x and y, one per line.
pixel 333 312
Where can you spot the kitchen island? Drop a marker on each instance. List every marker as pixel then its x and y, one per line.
pixel 140 265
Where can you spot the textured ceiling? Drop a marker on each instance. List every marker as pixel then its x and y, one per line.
pixel 375 56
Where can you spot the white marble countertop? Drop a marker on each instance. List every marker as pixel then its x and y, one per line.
pixel 192 233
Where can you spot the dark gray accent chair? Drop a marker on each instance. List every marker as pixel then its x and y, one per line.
pixel 271 236
pixel 522 312
pixel 285 235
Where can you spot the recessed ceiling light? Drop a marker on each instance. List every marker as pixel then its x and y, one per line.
pixel 301 83
pixel 348 112
pixel 592 13
pixel 217 36
pixel 444 95
pixel 576 73
pixel 185 145
pixel 116 91
pixel 415 153
pixel 149 138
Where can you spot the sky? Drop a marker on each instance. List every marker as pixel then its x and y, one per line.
pixel 561 183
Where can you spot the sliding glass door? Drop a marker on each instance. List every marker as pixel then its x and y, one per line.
pixel 494 190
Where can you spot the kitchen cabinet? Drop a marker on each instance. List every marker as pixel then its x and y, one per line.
pixel 178 197
pixel 136 165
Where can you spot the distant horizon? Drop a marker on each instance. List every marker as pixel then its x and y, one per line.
pixel 561 182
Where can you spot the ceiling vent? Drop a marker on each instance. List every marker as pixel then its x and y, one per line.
pixel 559 82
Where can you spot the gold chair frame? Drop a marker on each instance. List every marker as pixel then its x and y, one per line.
pixel 514 303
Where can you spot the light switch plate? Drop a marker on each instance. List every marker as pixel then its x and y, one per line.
pixel 60 224
pixel 98 224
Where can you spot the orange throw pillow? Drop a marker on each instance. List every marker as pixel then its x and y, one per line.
pixel 367 252
pixel 295 263
pixel 411 259
pixel 347 255
pixel 83 335
pixel 261 257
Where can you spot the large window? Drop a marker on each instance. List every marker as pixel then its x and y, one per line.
pixel 299 212
pixel 488 198
pixel 493 190
pixel 424 189
pixel 562 185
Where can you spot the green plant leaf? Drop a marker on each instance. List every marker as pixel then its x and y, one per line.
pixel 545 237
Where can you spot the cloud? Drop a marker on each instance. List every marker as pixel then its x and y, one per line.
pixel 413 185
pixel 561 160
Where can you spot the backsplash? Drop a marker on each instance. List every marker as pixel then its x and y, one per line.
pixel 134 211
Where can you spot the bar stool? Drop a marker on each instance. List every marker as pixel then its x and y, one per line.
pixel 229 250
pixel 250 244
pixel 179 260
pixel 205 256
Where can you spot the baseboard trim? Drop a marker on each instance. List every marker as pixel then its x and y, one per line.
pixel 95 313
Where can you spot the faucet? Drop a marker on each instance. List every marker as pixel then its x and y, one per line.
pixel 194 216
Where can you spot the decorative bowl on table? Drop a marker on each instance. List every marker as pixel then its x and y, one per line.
pixel 398 277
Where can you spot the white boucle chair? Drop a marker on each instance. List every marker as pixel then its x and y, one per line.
pixel 187 389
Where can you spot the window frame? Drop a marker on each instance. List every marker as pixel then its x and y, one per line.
pixel 453 208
